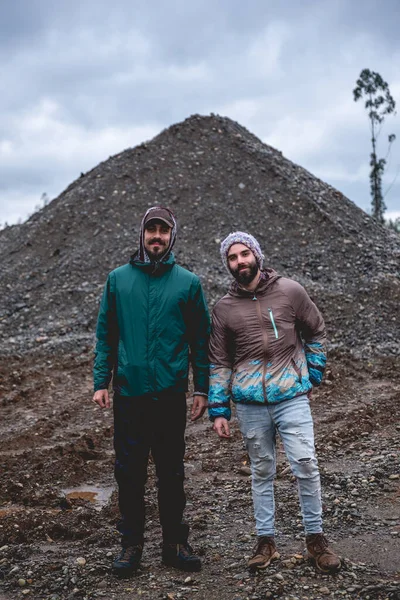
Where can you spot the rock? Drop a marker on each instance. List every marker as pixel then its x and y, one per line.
pixel 289 564
pixel 244 470
pixel 81 561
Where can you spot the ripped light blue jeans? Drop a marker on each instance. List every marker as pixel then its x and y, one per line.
pixel 293 421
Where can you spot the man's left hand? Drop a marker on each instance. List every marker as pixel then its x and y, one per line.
pixel 198 407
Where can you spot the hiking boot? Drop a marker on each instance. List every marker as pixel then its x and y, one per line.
pixel 324 559
pixel 181 557
pixel 264 552
pixel 128 561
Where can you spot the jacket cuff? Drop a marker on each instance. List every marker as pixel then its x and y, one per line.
pixel 100 386
pixel 214 413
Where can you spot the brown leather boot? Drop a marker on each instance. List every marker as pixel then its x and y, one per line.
pixel 264 552
pixel 324 559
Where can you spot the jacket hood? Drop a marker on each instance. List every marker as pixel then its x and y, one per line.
pixel 142 255
pixel 268 276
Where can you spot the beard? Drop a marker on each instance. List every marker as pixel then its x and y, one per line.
pixel 158 252
pixel 245 276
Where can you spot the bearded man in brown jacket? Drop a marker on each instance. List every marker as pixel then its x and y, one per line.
pixel 267 350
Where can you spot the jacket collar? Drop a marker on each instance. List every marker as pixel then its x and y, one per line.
pixel 268 276
pixel 161 266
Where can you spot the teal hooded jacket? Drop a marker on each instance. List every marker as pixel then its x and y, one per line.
pixel 150 321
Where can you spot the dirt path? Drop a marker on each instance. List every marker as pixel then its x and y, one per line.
pixel 58 503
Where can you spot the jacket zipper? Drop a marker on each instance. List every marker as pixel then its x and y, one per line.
pixel 271 316
pixel 154 369
pixel 265 344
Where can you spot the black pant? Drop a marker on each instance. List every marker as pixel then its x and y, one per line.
pixel 157 424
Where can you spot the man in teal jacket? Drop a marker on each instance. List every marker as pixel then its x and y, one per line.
pixel 152 315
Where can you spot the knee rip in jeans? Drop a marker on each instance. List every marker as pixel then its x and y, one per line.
pixel 305 468
pixel 304 439
pixel 255 446
pixel 263 464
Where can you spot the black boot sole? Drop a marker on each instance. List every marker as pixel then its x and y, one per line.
pixel 124 573
pixel 183 566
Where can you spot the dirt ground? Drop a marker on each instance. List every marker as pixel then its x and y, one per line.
pixel 58 504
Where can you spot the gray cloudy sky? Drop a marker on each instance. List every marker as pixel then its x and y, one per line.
pixel 85 79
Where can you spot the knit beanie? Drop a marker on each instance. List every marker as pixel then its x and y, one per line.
pixel 239 237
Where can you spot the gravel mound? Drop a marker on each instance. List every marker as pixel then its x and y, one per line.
pixel 216 177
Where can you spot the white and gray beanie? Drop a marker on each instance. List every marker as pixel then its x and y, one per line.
pixel 240 237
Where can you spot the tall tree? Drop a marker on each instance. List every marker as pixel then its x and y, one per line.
pixel 379 103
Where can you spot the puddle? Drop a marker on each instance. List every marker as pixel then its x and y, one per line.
pixel 99 496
